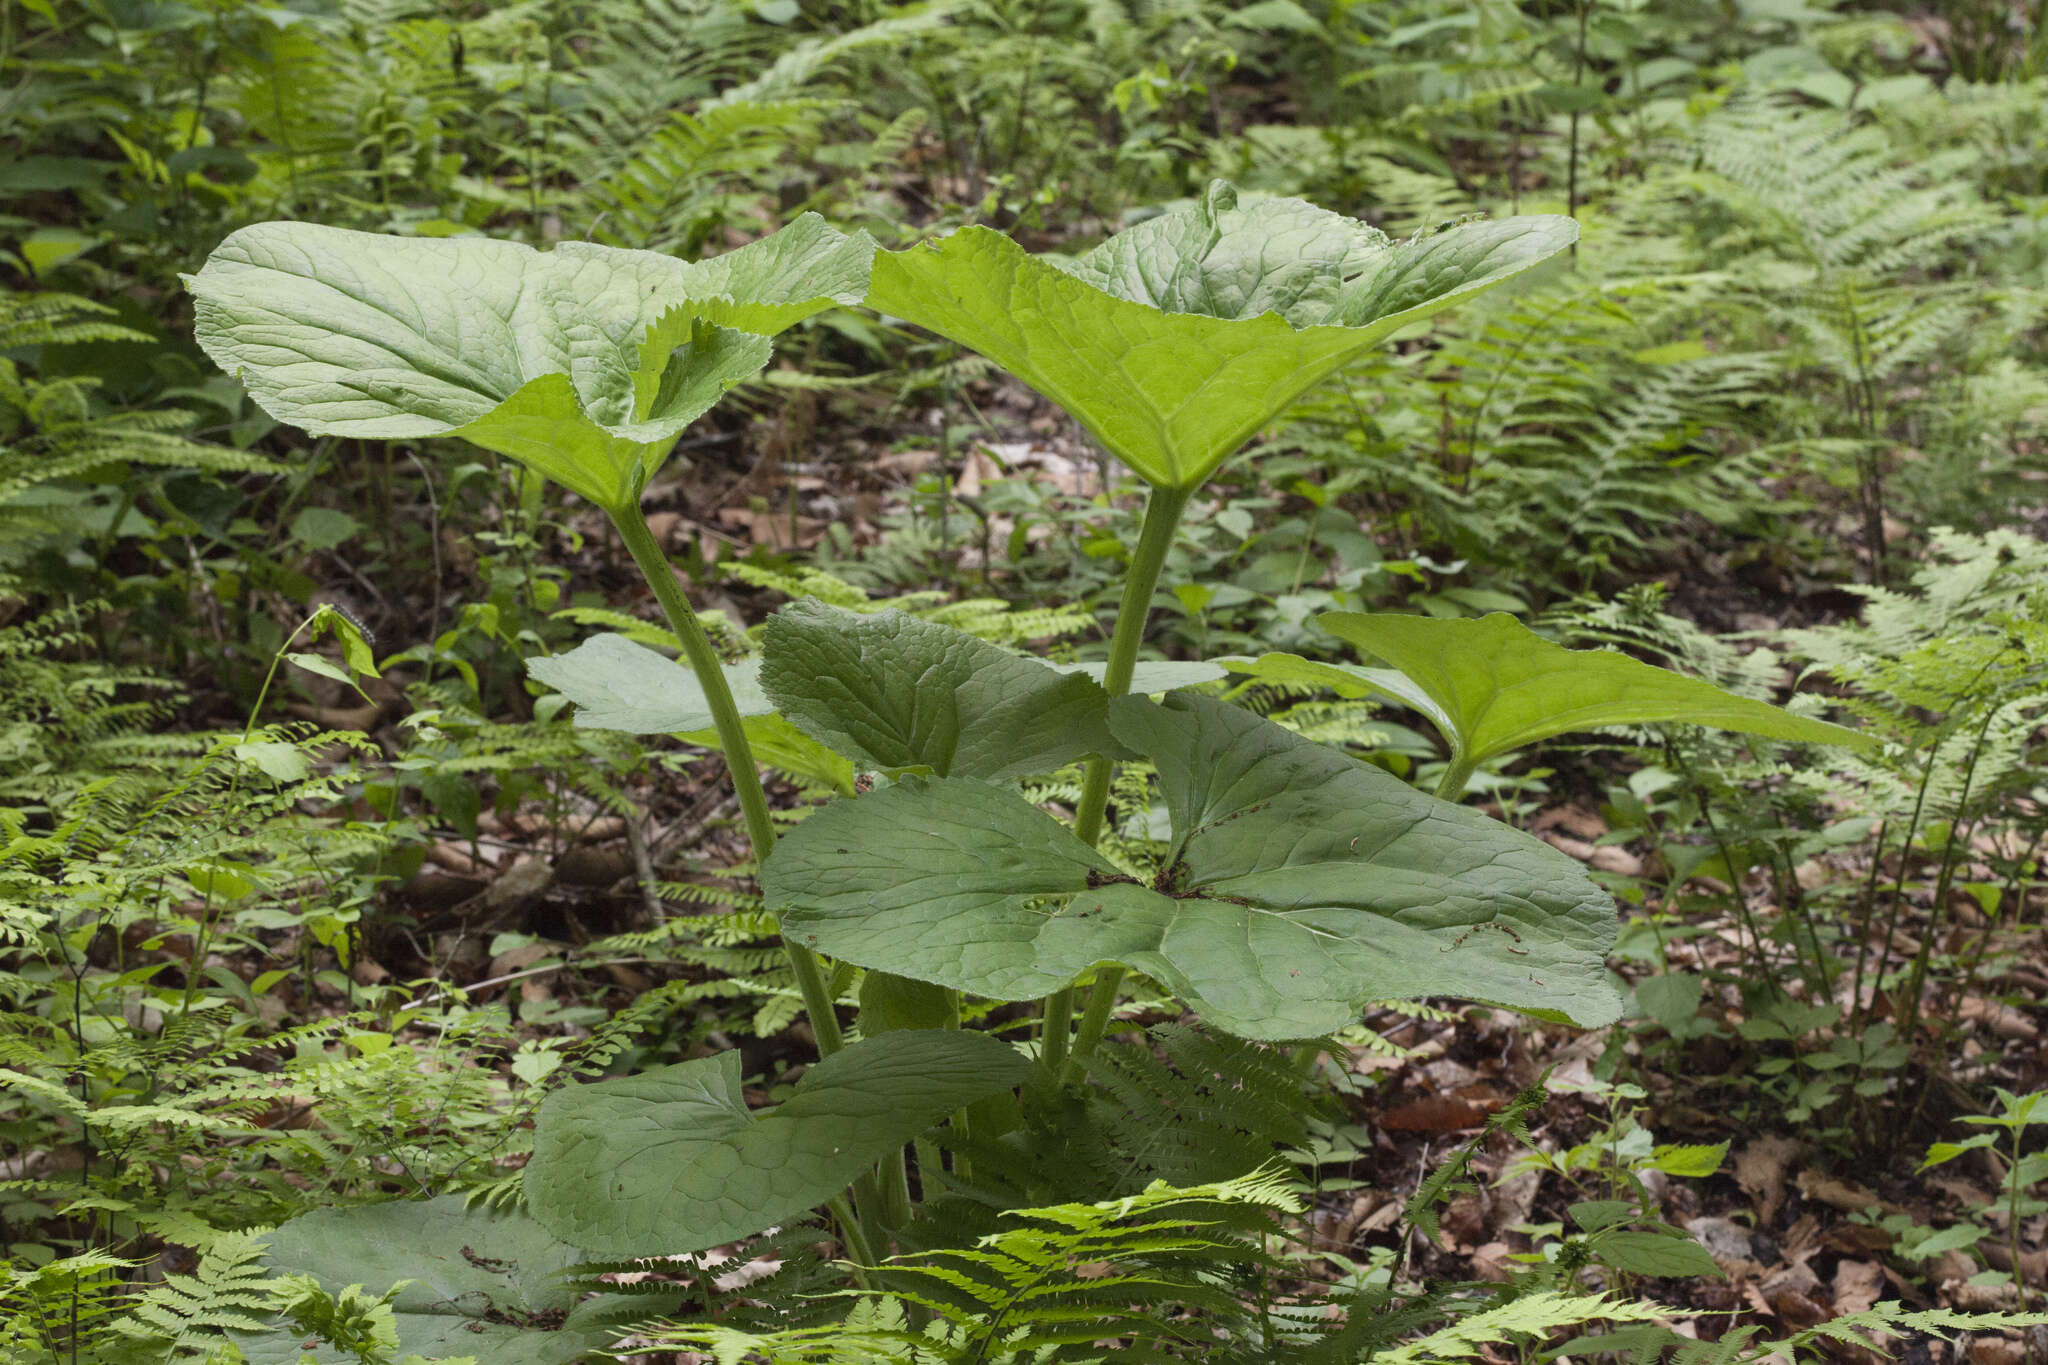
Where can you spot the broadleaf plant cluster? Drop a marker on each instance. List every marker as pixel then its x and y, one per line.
pixel 1296 883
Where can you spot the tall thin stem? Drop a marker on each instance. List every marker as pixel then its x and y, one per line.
pixel 1162 519
pixel 739 754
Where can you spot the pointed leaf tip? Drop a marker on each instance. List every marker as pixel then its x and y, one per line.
pixel 1177 339
pixel 1493 685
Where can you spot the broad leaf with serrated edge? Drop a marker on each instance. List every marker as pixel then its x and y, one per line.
pixel 893 692
pixel 1300 883
pixel 584 362
pixel 1176 340
pixel 1493 685
pixel 673 1160
pixel 484 1284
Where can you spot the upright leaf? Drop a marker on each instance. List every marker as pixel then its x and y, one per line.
pixel 1493 685
pixel 1175 341
pixel 584 361
pixel 484 1284
pixel 1299 884
pixel 673 1160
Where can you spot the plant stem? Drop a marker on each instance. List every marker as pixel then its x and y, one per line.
pixel 739 755
pixel 1162 519
pixel 1457 773
pixel 857 1244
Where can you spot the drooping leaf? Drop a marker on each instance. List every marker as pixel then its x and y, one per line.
pixel 672 1160
pixel 1493 685
pixel 484 1284
pixel 1346 680
pixel 620 685
pixel 893 692
pixel 1176 340
pixel 1300 883
pixel 584 361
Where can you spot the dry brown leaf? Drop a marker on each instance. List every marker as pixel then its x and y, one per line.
pixel 1858 1285
pixel 1577 821
pixel 1760 1168
pixel 1979 1298
pixel 1491 1263
pixel 2033 1267
pixel 1845 1195
pixel 520 958
pixel 1441 1114
pixel 447 856
pixel 1990 1350
pixel 1727 1242
pixel 524 881
pixel 2003 1020
pixel 1802 1241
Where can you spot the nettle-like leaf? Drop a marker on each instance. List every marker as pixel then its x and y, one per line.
pixel 896 693
pixel 1176 340
pixel 673 1160
pixel 1492 685
pixel 1299 884
pixel 484 1284
pixel 584 362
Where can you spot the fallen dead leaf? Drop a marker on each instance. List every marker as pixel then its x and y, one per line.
pixel 1727 1242
pixel 1999 1350
pixel 1844 1195
pixel 2033 1267
pixel 1760 1169
pixel 2003 1020
pixel 1979 1298
pixel 1858 1285
pixel 1577 821
pixel 1490 1263
pixel 1441 1114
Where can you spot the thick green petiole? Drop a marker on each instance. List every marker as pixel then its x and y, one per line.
pixel 739 754
pixel 1457 773
pixel 1162 519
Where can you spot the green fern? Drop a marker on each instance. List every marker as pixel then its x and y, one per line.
pixel 54 433
pixel 1155 1271
pixel 185 1317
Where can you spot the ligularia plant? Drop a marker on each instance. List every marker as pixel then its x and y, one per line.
pixel 1295 884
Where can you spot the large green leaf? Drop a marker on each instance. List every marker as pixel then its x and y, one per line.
pixel 1175 341
pixel 1493 685
pixel 484 1284
pixel 893 692
pixel 618 684
pixel 672 1160
pixel 584 362
pixel 1346 680
pixel 1300 884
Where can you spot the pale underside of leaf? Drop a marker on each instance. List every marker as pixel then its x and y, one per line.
pixel 620 685
pixel 1300 884
pixel 583 361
